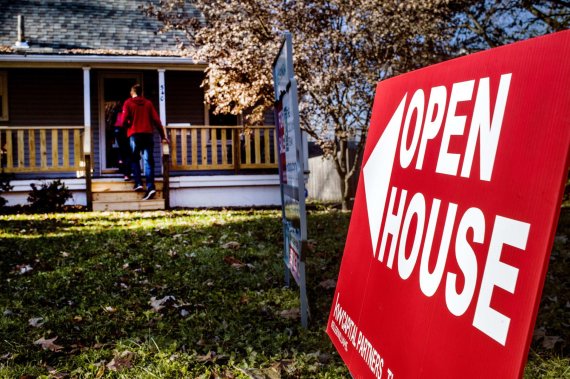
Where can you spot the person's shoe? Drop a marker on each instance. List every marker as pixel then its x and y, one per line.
pixel 149 194
pixel 126 178
pixel 138 188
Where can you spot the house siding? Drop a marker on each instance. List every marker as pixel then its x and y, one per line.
pixel 45 97
pixel 184 97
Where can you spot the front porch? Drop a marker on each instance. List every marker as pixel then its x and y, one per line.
pixel 55 126
pixel 204 166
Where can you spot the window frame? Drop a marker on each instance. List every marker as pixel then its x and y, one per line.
pixel 4 116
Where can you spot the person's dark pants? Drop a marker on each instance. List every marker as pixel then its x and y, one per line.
pixel 143 144
pixel 125 165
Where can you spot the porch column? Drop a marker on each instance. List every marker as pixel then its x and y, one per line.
pixel 165 147
pixel 161 96
pixel 87 133
pixel 87 109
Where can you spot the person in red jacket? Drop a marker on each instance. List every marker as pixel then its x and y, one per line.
pixel 140 119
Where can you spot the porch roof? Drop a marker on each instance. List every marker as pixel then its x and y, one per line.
pixel 85 27
pixel 100 61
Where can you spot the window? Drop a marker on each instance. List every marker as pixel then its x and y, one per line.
pixel 3 96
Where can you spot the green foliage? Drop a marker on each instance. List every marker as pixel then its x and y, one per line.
pixel 91 278
pixel 102 283
pixel 547 367
pixel 4 185
pixel 49 197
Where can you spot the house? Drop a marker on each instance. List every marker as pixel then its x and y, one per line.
pixel 64 63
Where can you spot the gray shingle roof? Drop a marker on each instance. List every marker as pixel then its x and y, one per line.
pixel 110 27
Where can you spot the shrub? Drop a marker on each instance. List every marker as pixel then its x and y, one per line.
pixel 4 186
pixel 50 197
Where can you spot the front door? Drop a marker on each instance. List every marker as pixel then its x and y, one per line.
pixel 114 90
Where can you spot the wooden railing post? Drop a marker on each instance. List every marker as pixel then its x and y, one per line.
pixel 88 184
pixel 166 174
pixel 237 149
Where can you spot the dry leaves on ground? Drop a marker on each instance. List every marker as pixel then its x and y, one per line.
pixel 121 361
pixel 48 344
pixel 36 322
pixel 291 314
pixel 232 245
pixel 328 284
pixel 236 263
pixel 158 304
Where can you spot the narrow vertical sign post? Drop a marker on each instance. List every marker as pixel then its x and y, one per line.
pixel 291 170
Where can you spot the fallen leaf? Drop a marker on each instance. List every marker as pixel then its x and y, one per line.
pixel 324 358
pixel 36 322
pixel 53 373
pixel 328 284
pixel 210 357
pixel 291 314
pixel 312 245
pixel 184 313
pixel 232 245
pixel 158 304
pixel 539 333
pixel 234 262
pixel 100 372
pixel 64 254
pixel 23 269
pixel 550 341
pixel 121 361
pixel 48 344
pixel 561 238
pixel 110 309
pixel 226 374
pixel 256 373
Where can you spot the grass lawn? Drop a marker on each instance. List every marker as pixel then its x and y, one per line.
pixel 192 294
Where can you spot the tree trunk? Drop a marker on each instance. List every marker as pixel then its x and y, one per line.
pixel 345 200
pixel 346 193
pixel 343 169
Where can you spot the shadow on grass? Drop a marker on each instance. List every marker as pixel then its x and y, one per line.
pixel 91 277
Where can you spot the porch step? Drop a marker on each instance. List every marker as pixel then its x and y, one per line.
pixel 118 195
pixel 118 186
pixel 124 196
pixel 141 205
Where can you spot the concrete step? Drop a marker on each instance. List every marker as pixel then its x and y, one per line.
pixel 125 196
pixel 117 186
pixel 141 205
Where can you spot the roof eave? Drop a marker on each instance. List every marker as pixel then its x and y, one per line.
pixel 99 61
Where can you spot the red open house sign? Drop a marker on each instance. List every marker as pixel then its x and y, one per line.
pixel 455 215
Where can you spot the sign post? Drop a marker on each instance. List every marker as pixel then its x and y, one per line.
pixel 291 170
pixel 455 214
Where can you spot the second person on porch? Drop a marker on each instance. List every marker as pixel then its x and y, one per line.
pixel 140 118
